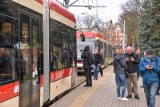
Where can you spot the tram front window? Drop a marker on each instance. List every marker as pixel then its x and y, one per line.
pixel 6 50
pixel 80 48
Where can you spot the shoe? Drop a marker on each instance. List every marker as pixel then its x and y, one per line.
pixel 129 96
pixel 119 98
pixel 137 97
pixel 86 85
pixel 124 99
pixel 94 79
pixel 90 85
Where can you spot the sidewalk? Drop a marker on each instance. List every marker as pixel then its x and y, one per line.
pixel 102 94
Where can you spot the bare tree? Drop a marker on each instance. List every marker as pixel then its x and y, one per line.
pixel 90 22
pixel 132 11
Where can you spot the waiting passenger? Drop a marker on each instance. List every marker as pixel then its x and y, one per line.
pixel 120 77
pixel 149 67
pixel 87 67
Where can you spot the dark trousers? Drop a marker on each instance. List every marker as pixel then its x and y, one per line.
pixel 101 71
pixel 88 76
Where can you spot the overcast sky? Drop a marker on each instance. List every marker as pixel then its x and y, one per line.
pixel 112 10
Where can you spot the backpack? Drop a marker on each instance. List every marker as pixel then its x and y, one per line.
pixel 91 59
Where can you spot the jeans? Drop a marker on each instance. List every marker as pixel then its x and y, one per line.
pixel 150 93
pixel 121 82
pixel 88 76
pixel 96 70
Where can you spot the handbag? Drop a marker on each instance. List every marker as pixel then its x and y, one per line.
pixel 125 70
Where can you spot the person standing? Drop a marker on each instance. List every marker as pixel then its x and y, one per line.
pixel 158 59
pixel 96 65
pixel 87 67
pixel 120 77
pixel 101 63
pixel 149 67
pixel 131 62
pixel 138 56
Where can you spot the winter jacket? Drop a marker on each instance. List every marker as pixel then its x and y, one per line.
pixel 138 57
pixel 85 57
pixel 99 59
pixel 149 76
pixel 119 63
pixel 132 68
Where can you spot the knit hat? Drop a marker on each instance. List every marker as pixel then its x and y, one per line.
pixel 149 51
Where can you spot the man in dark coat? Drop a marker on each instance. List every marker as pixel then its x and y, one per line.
pixel 131 62
pixel 87 67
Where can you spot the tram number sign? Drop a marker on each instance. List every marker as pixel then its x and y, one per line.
pixel 16 89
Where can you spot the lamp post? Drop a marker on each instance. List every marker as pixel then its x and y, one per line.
pixel 124 37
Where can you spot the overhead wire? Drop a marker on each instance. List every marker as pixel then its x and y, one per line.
pixel 101 9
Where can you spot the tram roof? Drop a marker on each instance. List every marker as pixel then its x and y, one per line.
pixel 91 34
pixel 55 6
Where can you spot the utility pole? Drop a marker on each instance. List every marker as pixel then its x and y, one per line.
pixel 124 36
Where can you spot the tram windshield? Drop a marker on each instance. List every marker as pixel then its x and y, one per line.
pixel 80 48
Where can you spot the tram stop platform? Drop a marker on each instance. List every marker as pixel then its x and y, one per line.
pixel 102 94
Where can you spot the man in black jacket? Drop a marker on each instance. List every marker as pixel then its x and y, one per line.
pixel 87 67
pixel 131 61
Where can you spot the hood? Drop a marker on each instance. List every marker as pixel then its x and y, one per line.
pixel 118 56
pixel 86 48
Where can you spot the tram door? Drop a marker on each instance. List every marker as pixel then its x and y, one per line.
pixel 29 47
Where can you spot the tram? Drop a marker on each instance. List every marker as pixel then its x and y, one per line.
pixel 21 52
pixel 96 41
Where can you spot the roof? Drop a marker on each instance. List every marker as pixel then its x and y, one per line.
pixel 91 34
pixel 55 6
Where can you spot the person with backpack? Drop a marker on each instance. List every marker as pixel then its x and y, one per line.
pixel 150 67
pixel 120 66
pixel 88 60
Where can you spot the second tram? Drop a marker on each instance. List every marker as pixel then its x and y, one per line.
pixel 96 41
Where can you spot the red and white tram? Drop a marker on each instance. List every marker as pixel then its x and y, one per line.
pixel 21 52
pixel 96 41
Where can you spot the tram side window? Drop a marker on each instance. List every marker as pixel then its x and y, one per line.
pixel 56 46
pixel 66 52
pixel 6 50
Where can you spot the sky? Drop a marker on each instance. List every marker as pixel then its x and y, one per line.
pixel 111 12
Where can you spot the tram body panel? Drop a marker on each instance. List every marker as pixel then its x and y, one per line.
pixel 10 92
pixel 60 86
pixel 11 102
